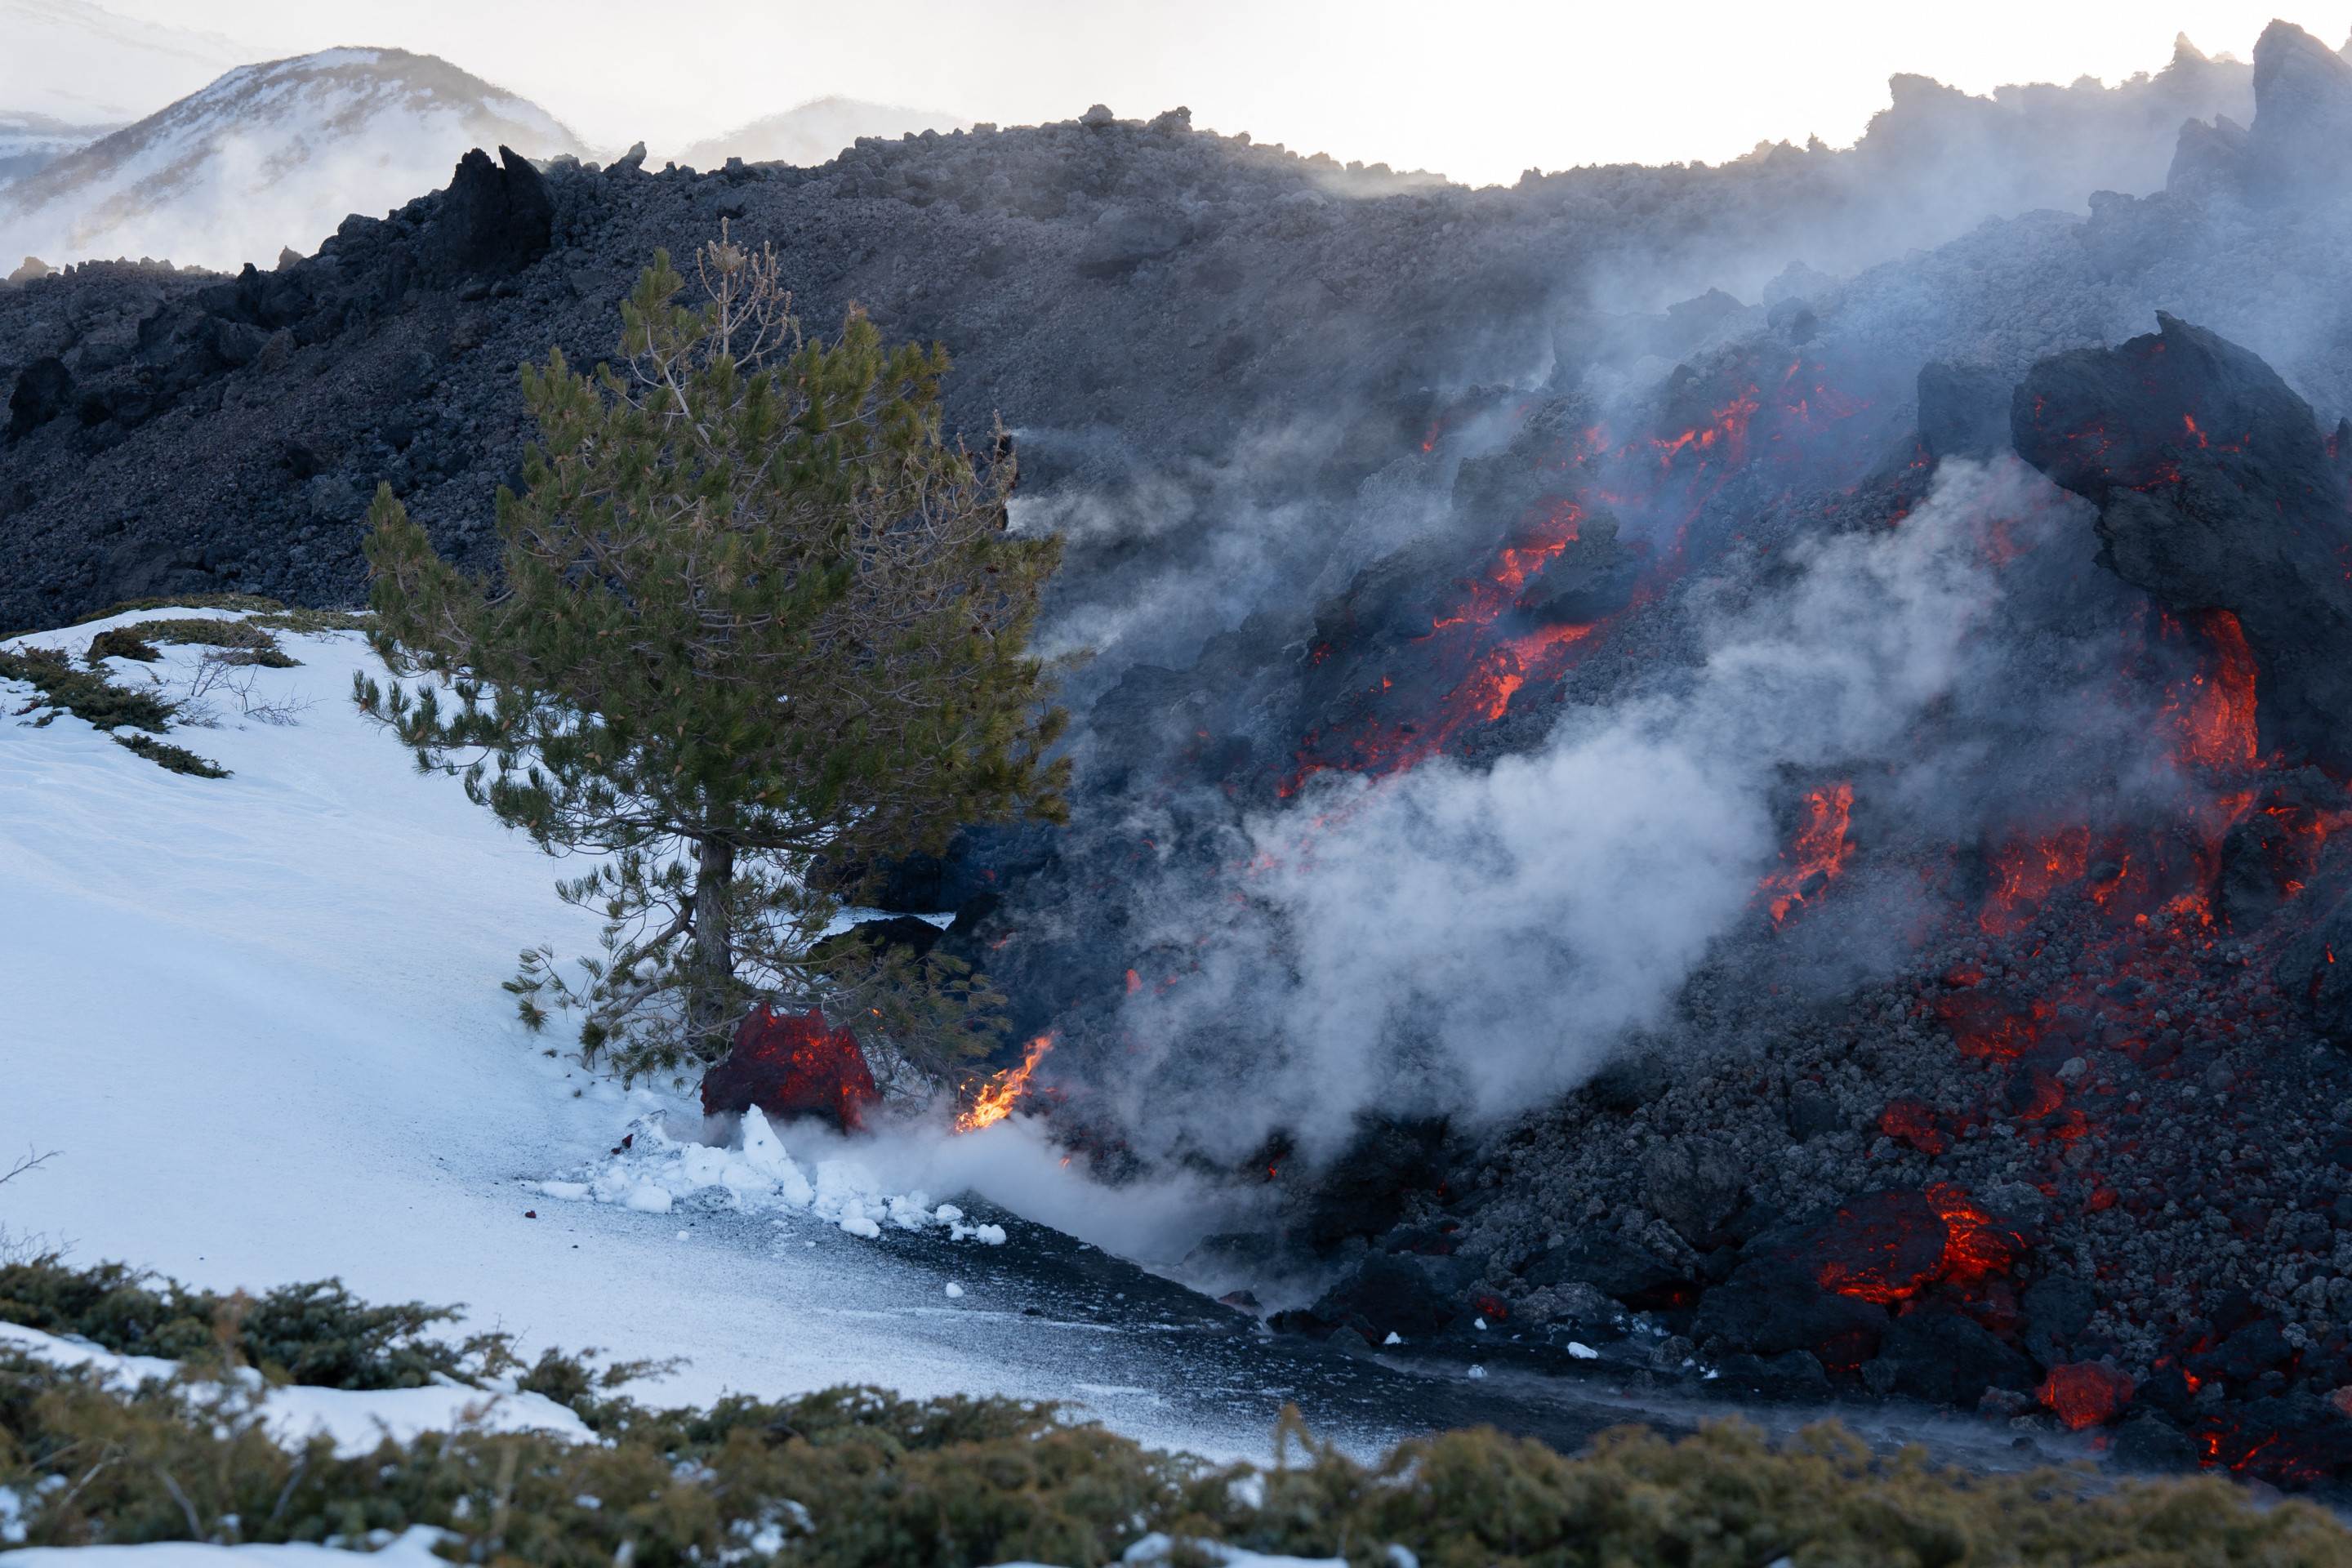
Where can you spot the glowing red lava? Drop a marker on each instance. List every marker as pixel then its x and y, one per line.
pixel 1816 857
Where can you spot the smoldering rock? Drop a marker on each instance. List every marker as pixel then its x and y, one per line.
pixel 1963 411
pixel 2215 493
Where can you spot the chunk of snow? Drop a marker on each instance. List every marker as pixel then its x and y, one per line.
pixel 955 1291
pixel 413 1548
pixel 1394 1338
pixel 1477 1371
pixel 646 1198
pixel 1480 1322
pixel 1582 1351
pixel 755 1172
pixel 764 1152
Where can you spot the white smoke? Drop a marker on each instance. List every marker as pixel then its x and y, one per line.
pixel 1463 939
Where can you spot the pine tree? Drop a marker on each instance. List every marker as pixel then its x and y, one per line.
pixel 757 624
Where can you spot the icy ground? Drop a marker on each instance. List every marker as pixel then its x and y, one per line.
pixel 258 1020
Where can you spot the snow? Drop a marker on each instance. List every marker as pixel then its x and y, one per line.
pixel 654 1170
pixel 356 1419
pixel 411 1548
pixel 265 1036
pixel 1579 1351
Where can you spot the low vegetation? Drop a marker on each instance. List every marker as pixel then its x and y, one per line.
pixel 242 642
pixel 62 687
pixel 232 648
pixel 856 1476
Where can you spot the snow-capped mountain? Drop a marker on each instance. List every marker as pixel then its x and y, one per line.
pixel 81 65
pixel 268 156
pixel 813 133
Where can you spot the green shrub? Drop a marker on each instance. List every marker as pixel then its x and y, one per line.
pixel 313 1334
pixel 120 642
pixel 86 694
pixel 245 642
pixel 172 758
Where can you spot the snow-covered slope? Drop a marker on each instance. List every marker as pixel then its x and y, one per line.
pixel 82 64
pixel 259 1021
pixel 30 141
pixel 813 133
pixel 268 156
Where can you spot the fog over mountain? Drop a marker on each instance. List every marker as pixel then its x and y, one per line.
pixel 79 64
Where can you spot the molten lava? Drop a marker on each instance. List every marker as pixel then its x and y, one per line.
pixel 2216 710
pixel 792 1064
pixel 1887 1247
pixel 2026 872
pixel 2085 1393
pixel 1816 857
pixel 997 1097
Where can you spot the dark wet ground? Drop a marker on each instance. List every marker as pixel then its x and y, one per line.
pixel 1146 1354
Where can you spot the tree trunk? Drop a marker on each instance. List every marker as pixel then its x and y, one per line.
pixel 711 964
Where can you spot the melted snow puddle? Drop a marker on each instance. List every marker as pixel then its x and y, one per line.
pixel 652 1171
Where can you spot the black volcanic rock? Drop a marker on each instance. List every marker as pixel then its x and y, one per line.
pixel 496 219
pixel 2301 138
pixel 2208 157
pixel 1947 1358
pixel 44 390
pixel 1963 411
pixel 2215 493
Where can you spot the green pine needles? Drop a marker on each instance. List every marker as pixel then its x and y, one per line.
pixel 756 623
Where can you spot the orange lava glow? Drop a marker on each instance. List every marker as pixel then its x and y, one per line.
pixel 2026 872
pixel 1912 1122
pixel 2215 708
pixel 1820 850
pixel 997 1097
pixel 1977 1246
pixel 2085 1393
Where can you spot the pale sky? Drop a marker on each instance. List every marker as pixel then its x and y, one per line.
pixel 1476 88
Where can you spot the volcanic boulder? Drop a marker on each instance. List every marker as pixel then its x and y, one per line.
pixel 1963 411
pixel 497 219
pixel 792 1065
pixel 1401 1293
pixel 1947 1358
pixel 2303 116
pixel 2215 493
pixel 44 390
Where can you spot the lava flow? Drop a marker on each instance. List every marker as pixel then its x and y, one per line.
pixel 1496 637
pixel 1816 857
pixel 997 1097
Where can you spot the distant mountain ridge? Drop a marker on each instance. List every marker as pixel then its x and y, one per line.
pixel 268 156
pixel 813 133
